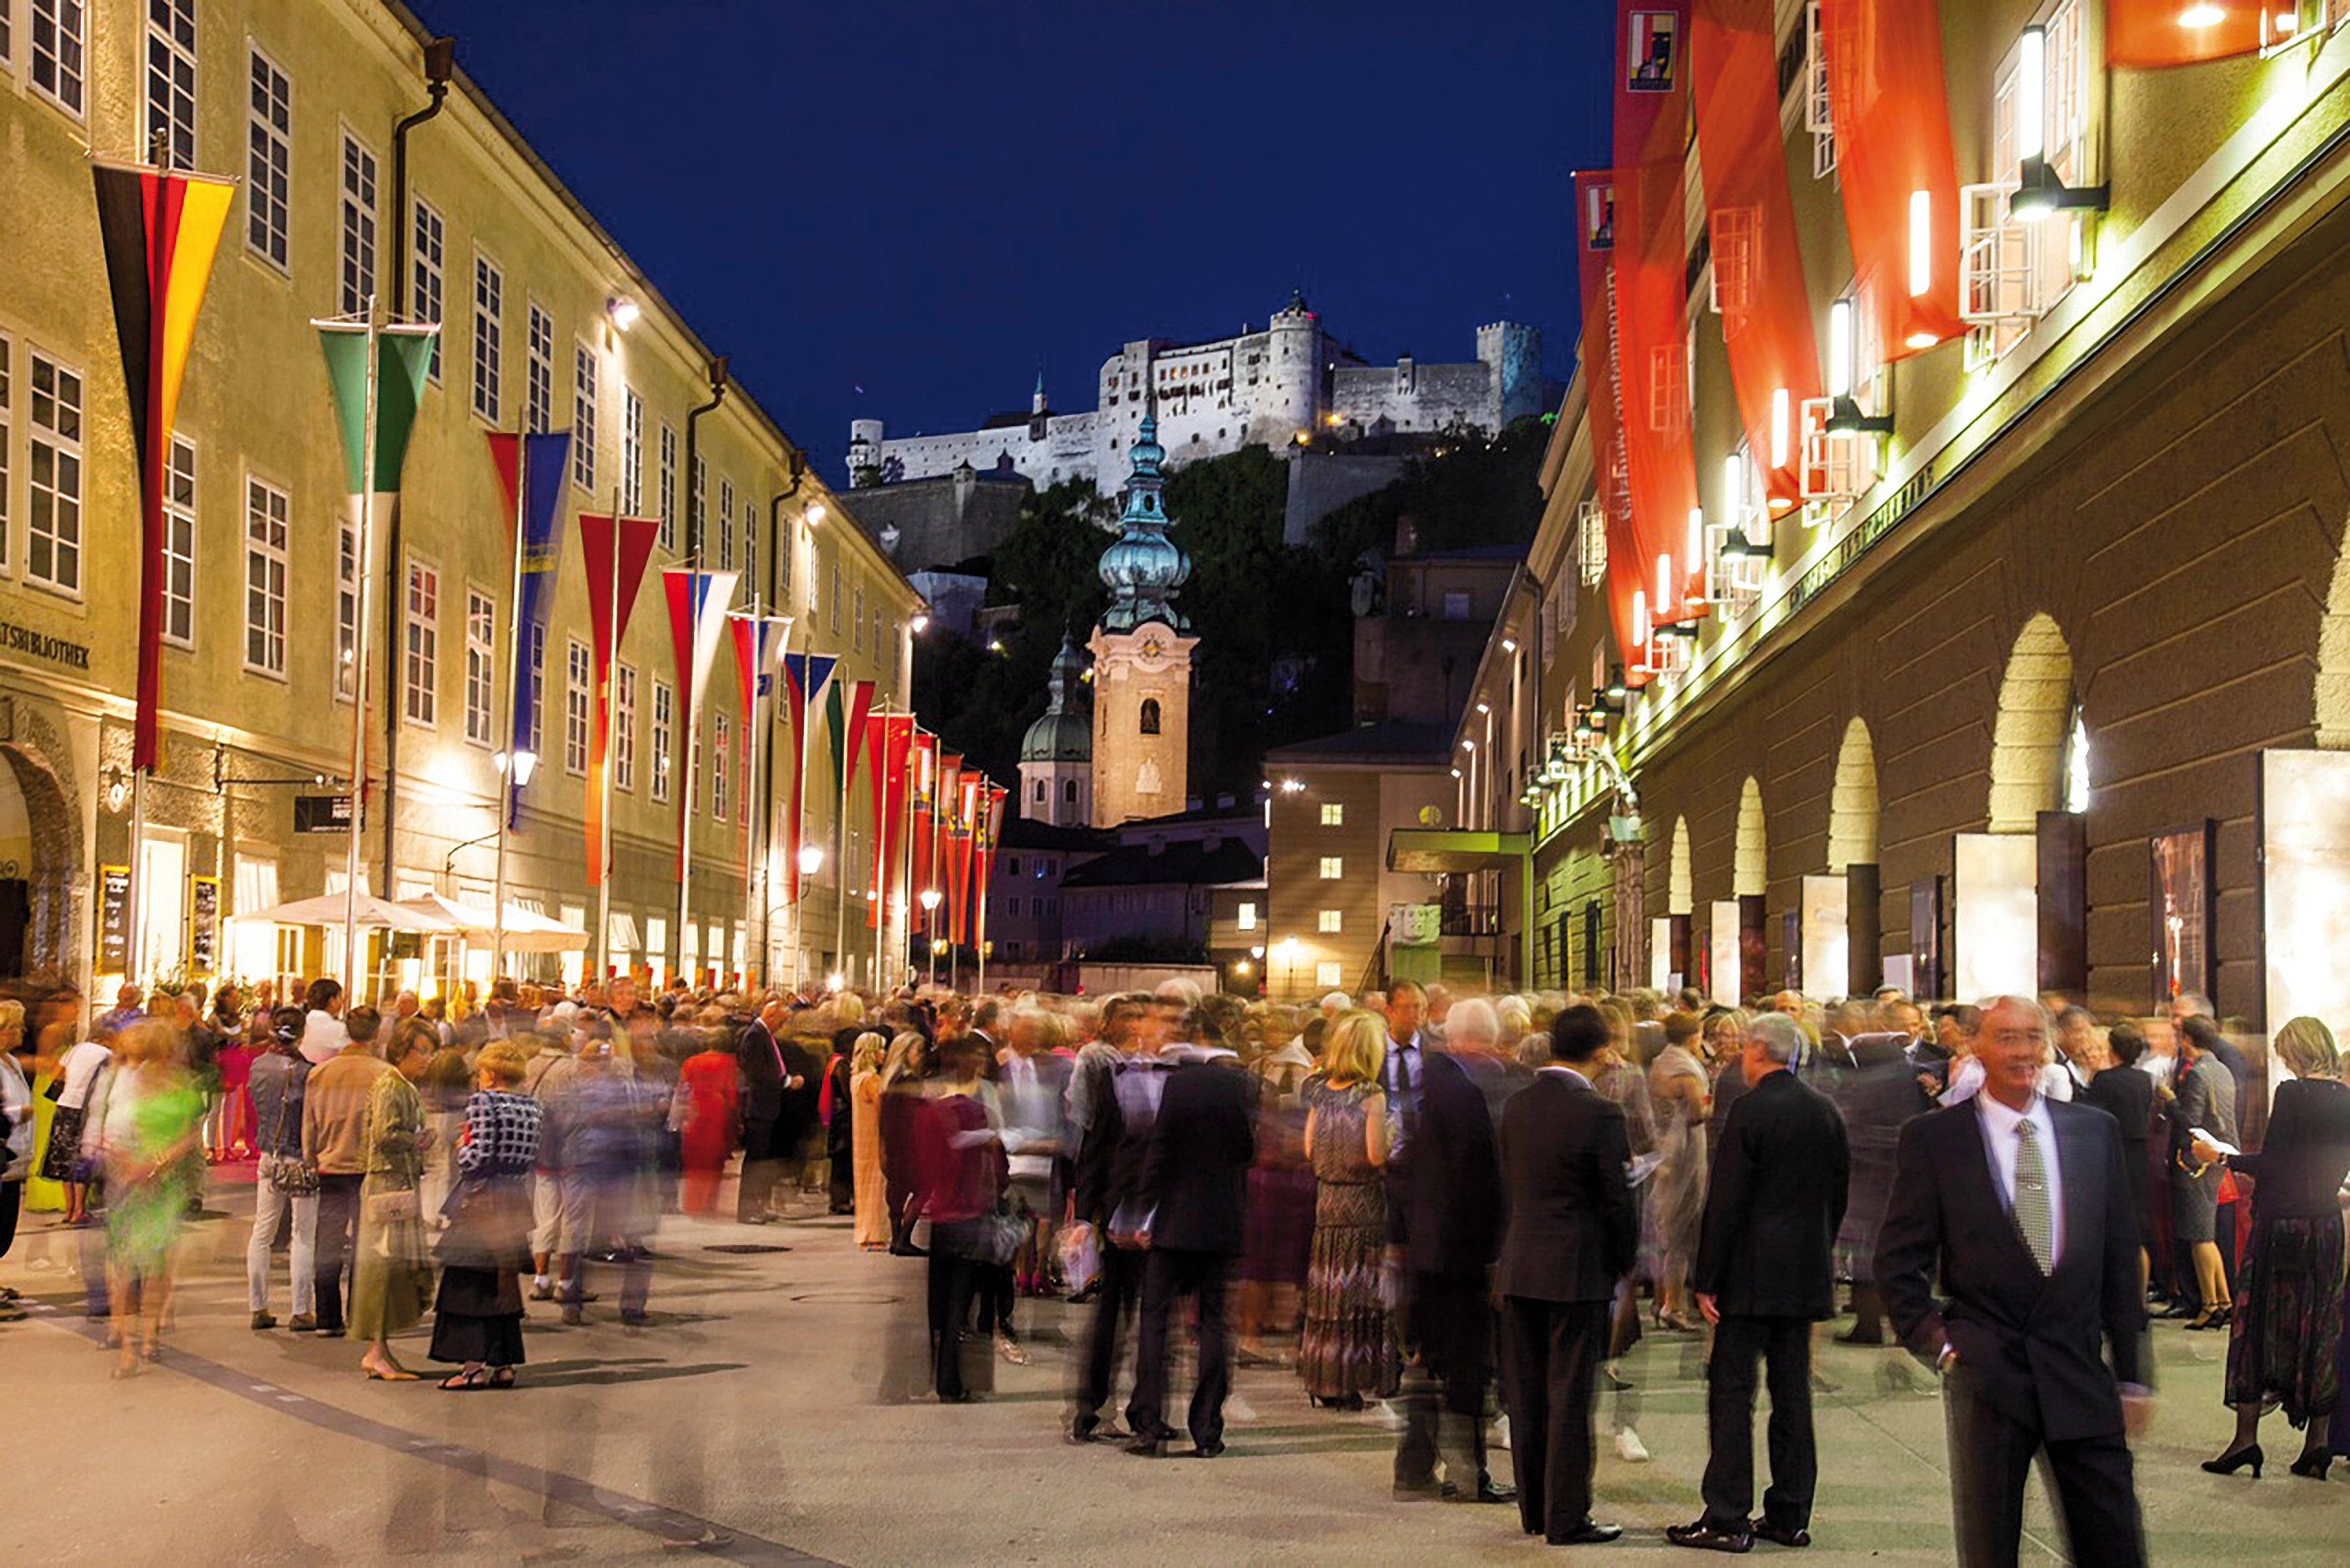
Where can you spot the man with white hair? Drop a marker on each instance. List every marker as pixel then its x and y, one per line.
pixel 1334 1003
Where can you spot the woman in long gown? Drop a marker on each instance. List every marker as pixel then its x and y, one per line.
pixel 1343 1351
pixel 477 1315
pixel 1677 1089
pixel 390 1278
pixel 865 1145
pixel 707 1110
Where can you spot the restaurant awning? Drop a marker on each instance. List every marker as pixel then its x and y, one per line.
pixel 1440 849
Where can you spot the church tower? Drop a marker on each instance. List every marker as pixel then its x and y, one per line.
pixel 1056 775
pixel 1142 655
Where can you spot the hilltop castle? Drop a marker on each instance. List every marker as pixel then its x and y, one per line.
pixel 1259 388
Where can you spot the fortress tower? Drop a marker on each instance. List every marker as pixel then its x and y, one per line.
pixel 1142 655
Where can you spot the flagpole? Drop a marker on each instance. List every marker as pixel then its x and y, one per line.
pixel 604 777
pixel 799 830
pixel 792 871
pixel 840 846
pixel 880 784
pixel 133 936
pixel 905 854
pixel 692 780
pixel 754 859
pixel 980 860
pixel 513 756
pixel 359 666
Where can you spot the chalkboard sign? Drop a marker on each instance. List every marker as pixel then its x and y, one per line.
pixel 204 924
pixel 113 919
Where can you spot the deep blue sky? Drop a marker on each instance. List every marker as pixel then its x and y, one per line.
pixel 924 197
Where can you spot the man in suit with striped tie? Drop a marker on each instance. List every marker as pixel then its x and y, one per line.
pixel 2021 1205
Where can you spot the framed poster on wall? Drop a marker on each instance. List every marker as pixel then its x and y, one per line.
pixel 2179 900
pixel 203 924
pixel 1926 939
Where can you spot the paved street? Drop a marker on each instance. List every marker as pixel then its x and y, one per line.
pixel 749 1420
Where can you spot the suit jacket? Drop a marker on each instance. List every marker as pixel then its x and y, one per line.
pixel 2207 1099
pixel 1573 1228
pixel 1454 1186
pixel 2125 1094
pixel 1776 1201
pixel 2029 1343
pixel 763 1079
pixel 1195 1169
pixel 796 1107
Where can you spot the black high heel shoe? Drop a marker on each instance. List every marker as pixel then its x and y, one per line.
pixel 2229 1463
pixel 2314 1466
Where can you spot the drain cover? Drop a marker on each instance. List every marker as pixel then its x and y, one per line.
pixel 745 1248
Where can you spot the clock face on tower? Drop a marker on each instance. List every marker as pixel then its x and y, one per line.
pixel 1151 647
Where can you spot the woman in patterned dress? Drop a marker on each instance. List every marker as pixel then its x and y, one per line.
pixel 477 1316
pixel 1343 1351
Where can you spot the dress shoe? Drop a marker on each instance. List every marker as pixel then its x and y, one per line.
pixel 302 1323
pixel 1590 1532
pixel 1208 1450
pixel 959 1397
pixel 1780 1534
pixel 1857 1337
pixel 1417 1492
pixel 1149 1445
pixel 573 1316
pixel 2229 1463
pixel 2312 1466
pixel 1487 1489
pixel 262 1320
pixel 635 1319
pixel 1707 1537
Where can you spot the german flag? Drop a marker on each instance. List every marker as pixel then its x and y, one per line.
pixel 160 230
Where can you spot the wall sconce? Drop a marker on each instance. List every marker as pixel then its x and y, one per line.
pixel 1845 417
pixel 118 789
pixel 621 312
pixel 2039 192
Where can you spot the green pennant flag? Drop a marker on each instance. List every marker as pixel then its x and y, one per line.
pixel 835 723
pixel 403 357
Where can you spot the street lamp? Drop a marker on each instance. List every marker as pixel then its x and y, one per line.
pixel 514 774
pixel 930 898
pixel 522 763
pixel 1289 958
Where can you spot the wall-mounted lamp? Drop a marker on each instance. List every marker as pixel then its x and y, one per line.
pixel 2039 192
pixel 811 859
pixel 621 312
pixel 815 512
pixel 919 624
pixel 523 762
pixel 118 789
pixel 1843 415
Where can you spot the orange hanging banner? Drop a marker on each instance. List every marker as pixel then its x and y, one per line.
pixel 1758 263
pixel 2188 31
pixel 1651 269
pixel 1595 236
pixel 1895 164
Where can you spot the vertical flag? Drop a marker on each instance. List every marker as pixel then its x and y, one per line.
pixel 697 625
pixel 159 232
pixel 991 829
pixel 615 551
pixel 924 784
pixel 804 675
pixel 531 478
pixel 946 794
pixel 1594 227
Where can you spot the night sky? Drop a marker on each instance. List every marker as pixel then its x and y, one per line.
pixel 899 208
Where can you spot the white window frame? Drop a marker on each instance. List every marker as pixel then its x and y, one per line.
pixel 579 681
pixel 179 539
pixel 1334 813
pixel 268 160
pixel 722 752
pixel 586 373
pixel 1329 922
pixel 751 551
pixel 535 637
pixel 428 268
pixel 1819 103
pixel 488 335
pixel 481 664
pixel 347 609
pixel 1333 868
pixel 64 26
pixel 8 432
pixel 1591 544
pixel 1244 915
pixel 2013 271
pixel 54 447
pixel 725 522
pixel 624 726
pixel 1329 974
pixel 668 487
pixel 420 633
pixel 358 227
pixel 168 72
pixel 538 369
pixel 268 522
pixel 663 736
pixel 632 453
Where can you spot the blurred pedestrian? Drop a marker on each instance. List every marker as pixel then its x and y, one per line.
pixel 872 1192
pixel 390 1279
pixel 2205 1103
pixel 147 1136
pixel 286 1184
pixel 708 1112
pixel 1344 1347
pixel 334 1102
pixel 478 1312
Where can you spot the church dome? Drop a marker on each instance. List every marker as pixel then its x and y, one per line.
pixel 1062 734
pixel 1143 567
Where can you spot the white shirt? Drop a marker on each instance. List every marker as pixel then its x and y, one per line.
pixel 2001 1140
pixel 1563 1071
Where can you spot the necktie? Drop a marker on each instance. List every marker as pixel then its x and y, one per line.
pixel 2033 1216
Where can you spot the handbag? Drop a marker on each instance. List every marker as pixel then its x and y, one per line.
pixel 392 1208
pixel 289 1175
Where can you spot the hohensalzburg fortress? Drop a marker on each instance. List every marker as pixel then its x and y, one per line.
pixel 1259 388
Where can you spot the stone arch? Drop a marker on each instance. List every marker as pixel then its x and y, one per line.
pixel 1852 808
pixel 2030 742
pixel 2333 692
pixel 1680 892
pixel 1750 871
pixel 54 865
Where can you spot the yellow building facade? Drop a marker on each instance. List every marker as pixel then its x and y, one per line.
pixel 545 325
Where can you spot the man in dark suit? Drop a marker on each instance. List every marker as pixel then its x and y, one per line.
pixel 1571 1234
pixel 765 1079
pixel 1453 1237
pixel 2021 1205
pixel 1765 1273
pixel 1122 1105
pixel 1194 1190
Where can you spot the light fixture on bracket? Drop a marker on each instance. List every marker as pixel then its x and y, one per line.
pixel 2039 193
pixel 1845 417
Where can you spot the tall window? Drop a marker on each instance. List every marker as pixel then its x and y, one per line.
pixel 60 29
pixel 1333 867
pixel 836 599
pixel 583 417
pixel 180 545
pixel 624 726
pixel 1330 923
pixel 694 531
pixel 1334 813
pixel 489 312
pixel 539 383
pixel 481 662
pixel 427 268
pixel 538 737
pixel 7 422
pixel 357 225
pixel 268 157
pixel 53 484
pixel 632 452
pixel 857 622
pixel 170 83
pixel 421 682
pixel 784 552
pixel 725 522
pixel 1150 720
pixel 751 550
pixel 264 577
pixel 347 609
pixel 663 736
pixel 576 682
pixel 668 487
pixel 721 749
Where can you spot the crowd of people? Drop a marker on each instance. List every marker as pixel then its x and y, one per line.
pixel 1461 1213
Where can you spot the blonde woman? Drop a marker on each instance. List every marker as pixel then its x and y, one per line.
pixel 1342 1352
pixel 864 1111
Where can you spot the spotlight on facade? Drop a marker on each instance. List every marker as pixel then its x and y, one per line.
pixel 2039 193
pixel 815 512
pixel 118 789
pixel 811 859
pixel 1483 708
pixel 921 624
pixel 1509 644
pixel 621 312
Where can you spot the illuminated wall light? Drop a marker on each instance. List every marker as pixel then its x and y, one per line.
pixel 1781 426
pixel 1696 554
pixel 2031 96
pixel 1921 242
pixel 1639 619
pixel 1733 489
pixel 1664 581
pixel 1840 348
pixel 2202 15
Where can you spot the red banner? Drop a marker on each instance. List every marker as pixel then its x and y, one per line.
pixel 921 838
pixel 616 551
pixel 2180 33
pixel 991 830
pixel 1594 226
pixel 1894 162
pixel 1651 267
pixel 1758 264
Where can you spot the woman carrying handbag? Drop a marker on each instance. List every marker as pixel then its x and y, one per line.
pixel 391 1279
pixel 477 1316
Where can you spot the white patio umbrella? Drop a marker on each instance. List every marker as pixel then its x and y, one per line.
pixel 327 909
pixel 526 932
